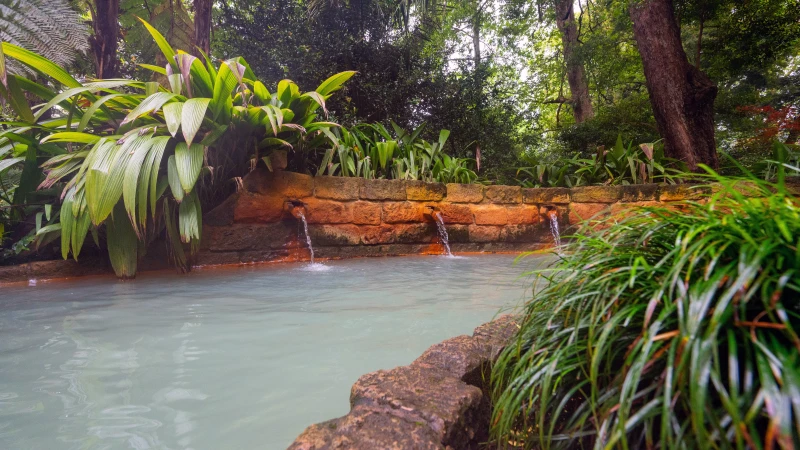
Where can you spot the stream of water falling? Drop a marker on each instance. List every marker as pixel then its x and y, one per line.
pixel 554 228
pixel 442 232
pixel 308 237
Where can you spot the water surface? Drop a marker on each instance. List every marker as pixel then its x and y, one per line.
pixel 231 359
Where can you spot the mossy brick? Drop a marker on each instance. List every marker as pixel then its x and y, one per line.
pixel 464 193
pixel 337 188
pixel 423 191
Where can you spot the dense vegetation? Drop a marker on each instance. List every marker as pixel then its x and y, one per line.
pixel 675 327
pixel 539 93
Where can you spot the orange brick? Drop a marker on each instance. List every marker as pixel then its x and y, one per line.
pixel 490 215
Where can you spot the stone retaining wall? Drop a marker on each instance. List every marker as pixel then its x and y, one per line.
pixel 440 401
pixel 350 217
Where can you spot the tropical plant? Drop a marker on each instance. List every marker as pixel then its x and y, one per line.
pixel 622 164
pixel 372 151
pixel 676 327
pixel 134 156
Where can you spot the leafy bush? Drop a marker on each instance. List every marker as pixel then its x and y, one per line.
pixel 620 165
pixel 135 156
pixel 676 327
pixel 372 151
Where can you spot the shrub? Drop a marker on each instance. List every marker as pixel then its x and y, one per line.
pixel 673 328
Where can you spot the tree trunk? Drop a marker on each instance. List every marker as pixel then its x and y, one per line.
pixel 682 96
pixel 104 42
pixel 202 25
pixel 576 76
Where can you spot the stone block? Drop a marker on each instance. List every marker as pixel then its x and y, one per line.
pixel 681 192
pixel 484 233
pixel 422 191
pixel 458 412
pixel 365 428
pixel 523 215
pixel 414 233
pixel 383 190
pixel 503 194
pixel 259 208
pixel 337 188
pixel 455 213
pixel 366 213
pixel 288 184
pixel 545 195
pixel 596 194
pixel 457 233
pixel 241 237
pixel 403 212
pixel 490 214
pixel 328 211
pixel 464 193
pixel 526 233
pixel 640 192
pixel 579 212
pixel 620 211
pixel 335 235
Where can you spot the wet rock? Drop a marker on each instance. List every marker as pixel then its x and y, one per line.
pixel 437 402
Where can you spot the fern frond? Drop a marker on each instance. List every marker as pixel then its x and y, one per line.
pixel 50 28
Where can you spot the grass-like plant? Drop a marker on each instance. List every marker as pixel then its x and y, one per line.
pixel 675 327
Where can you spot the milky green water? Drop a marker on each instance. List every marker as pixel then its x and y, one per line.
pixel 233 359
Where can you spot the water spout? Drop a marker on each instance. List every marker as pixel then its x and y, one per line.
pixel 302 217
pixel 553 216
pixel 297 210
pixel 437 215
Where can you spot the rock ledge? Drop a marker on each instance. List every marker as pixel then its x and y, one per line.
pixel 439 401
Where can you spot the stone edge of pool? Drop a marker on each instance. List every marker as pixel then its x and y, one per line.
pixel 438 401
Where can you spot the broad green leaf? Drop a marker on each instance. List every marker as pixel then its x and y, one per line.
pixel 41 64
pixel 89 114
pixel 318 99
pixel 67 222
pixel 149 176
pixel 192 114
pixel 334 83
pixel 172 115
pixel 156 69
pixel 131 186
pixel 223 87
pixel 188 218
pixel 162 43
pixel 122 244
pixel 188 162
pixel 72 136
pixel 148 105
pixel 261 92
pixel 6 163
pixel 287 91
pixel 174 179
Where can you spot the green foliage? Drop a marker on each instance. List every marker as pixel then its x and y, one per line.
pixel 48 27
pixel 121 143
pixel 675 327
pixel 372 151
pixel 640 164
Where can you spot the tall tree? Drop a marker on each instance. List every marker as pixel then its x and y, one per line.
pixel 576 76
pixel 681 95
pixel 202 25
pixel 105 22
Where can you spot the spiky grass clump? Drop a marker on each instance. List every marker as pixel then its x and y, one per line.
pixel 673 328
